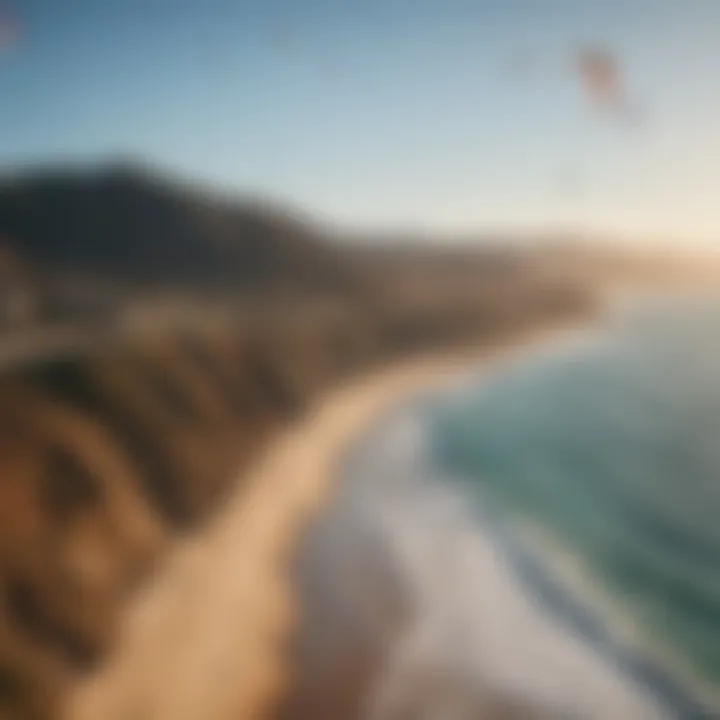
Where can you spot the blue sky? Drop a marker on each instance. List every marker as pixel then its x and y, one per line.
pixel 444 114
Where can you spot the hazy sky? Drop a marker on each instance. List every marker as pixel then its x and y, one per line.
pixel 442 113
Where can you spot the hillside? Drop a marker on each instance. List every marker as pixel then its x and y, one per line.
pixel 124 224
pixel 216 324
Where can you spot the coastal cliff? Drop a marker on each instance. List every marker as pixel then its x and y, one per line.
pixel 153 369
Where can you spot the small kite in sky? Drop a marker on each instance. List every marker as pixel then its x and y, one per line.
pixel 601 78
pixel 598 71
pixel 10 31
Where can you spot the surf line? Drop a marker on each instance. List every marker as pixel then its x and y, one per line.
pixel 560 602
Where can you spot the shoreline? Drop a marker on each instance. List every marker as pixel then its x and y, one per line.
pixel 205 637
pixel 569 602
pixel 394 511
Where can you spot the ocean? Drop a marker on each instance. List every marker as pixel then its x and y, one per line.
pixel 552 527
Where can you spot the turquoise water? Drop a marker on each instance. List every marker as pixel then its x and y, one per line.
pixel 611 447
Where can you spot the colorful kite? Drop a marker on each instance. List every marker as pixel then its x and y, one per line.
pixel 10 31
pixel 601 78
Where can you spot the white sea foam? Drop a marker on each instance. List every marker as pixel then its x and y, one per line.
pixel 474 622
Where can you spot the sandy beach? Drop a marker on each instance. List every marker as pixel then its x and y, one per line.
pixel 205 638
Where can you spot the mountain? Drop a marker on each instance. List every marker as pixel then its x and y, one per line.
pixel 122 223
